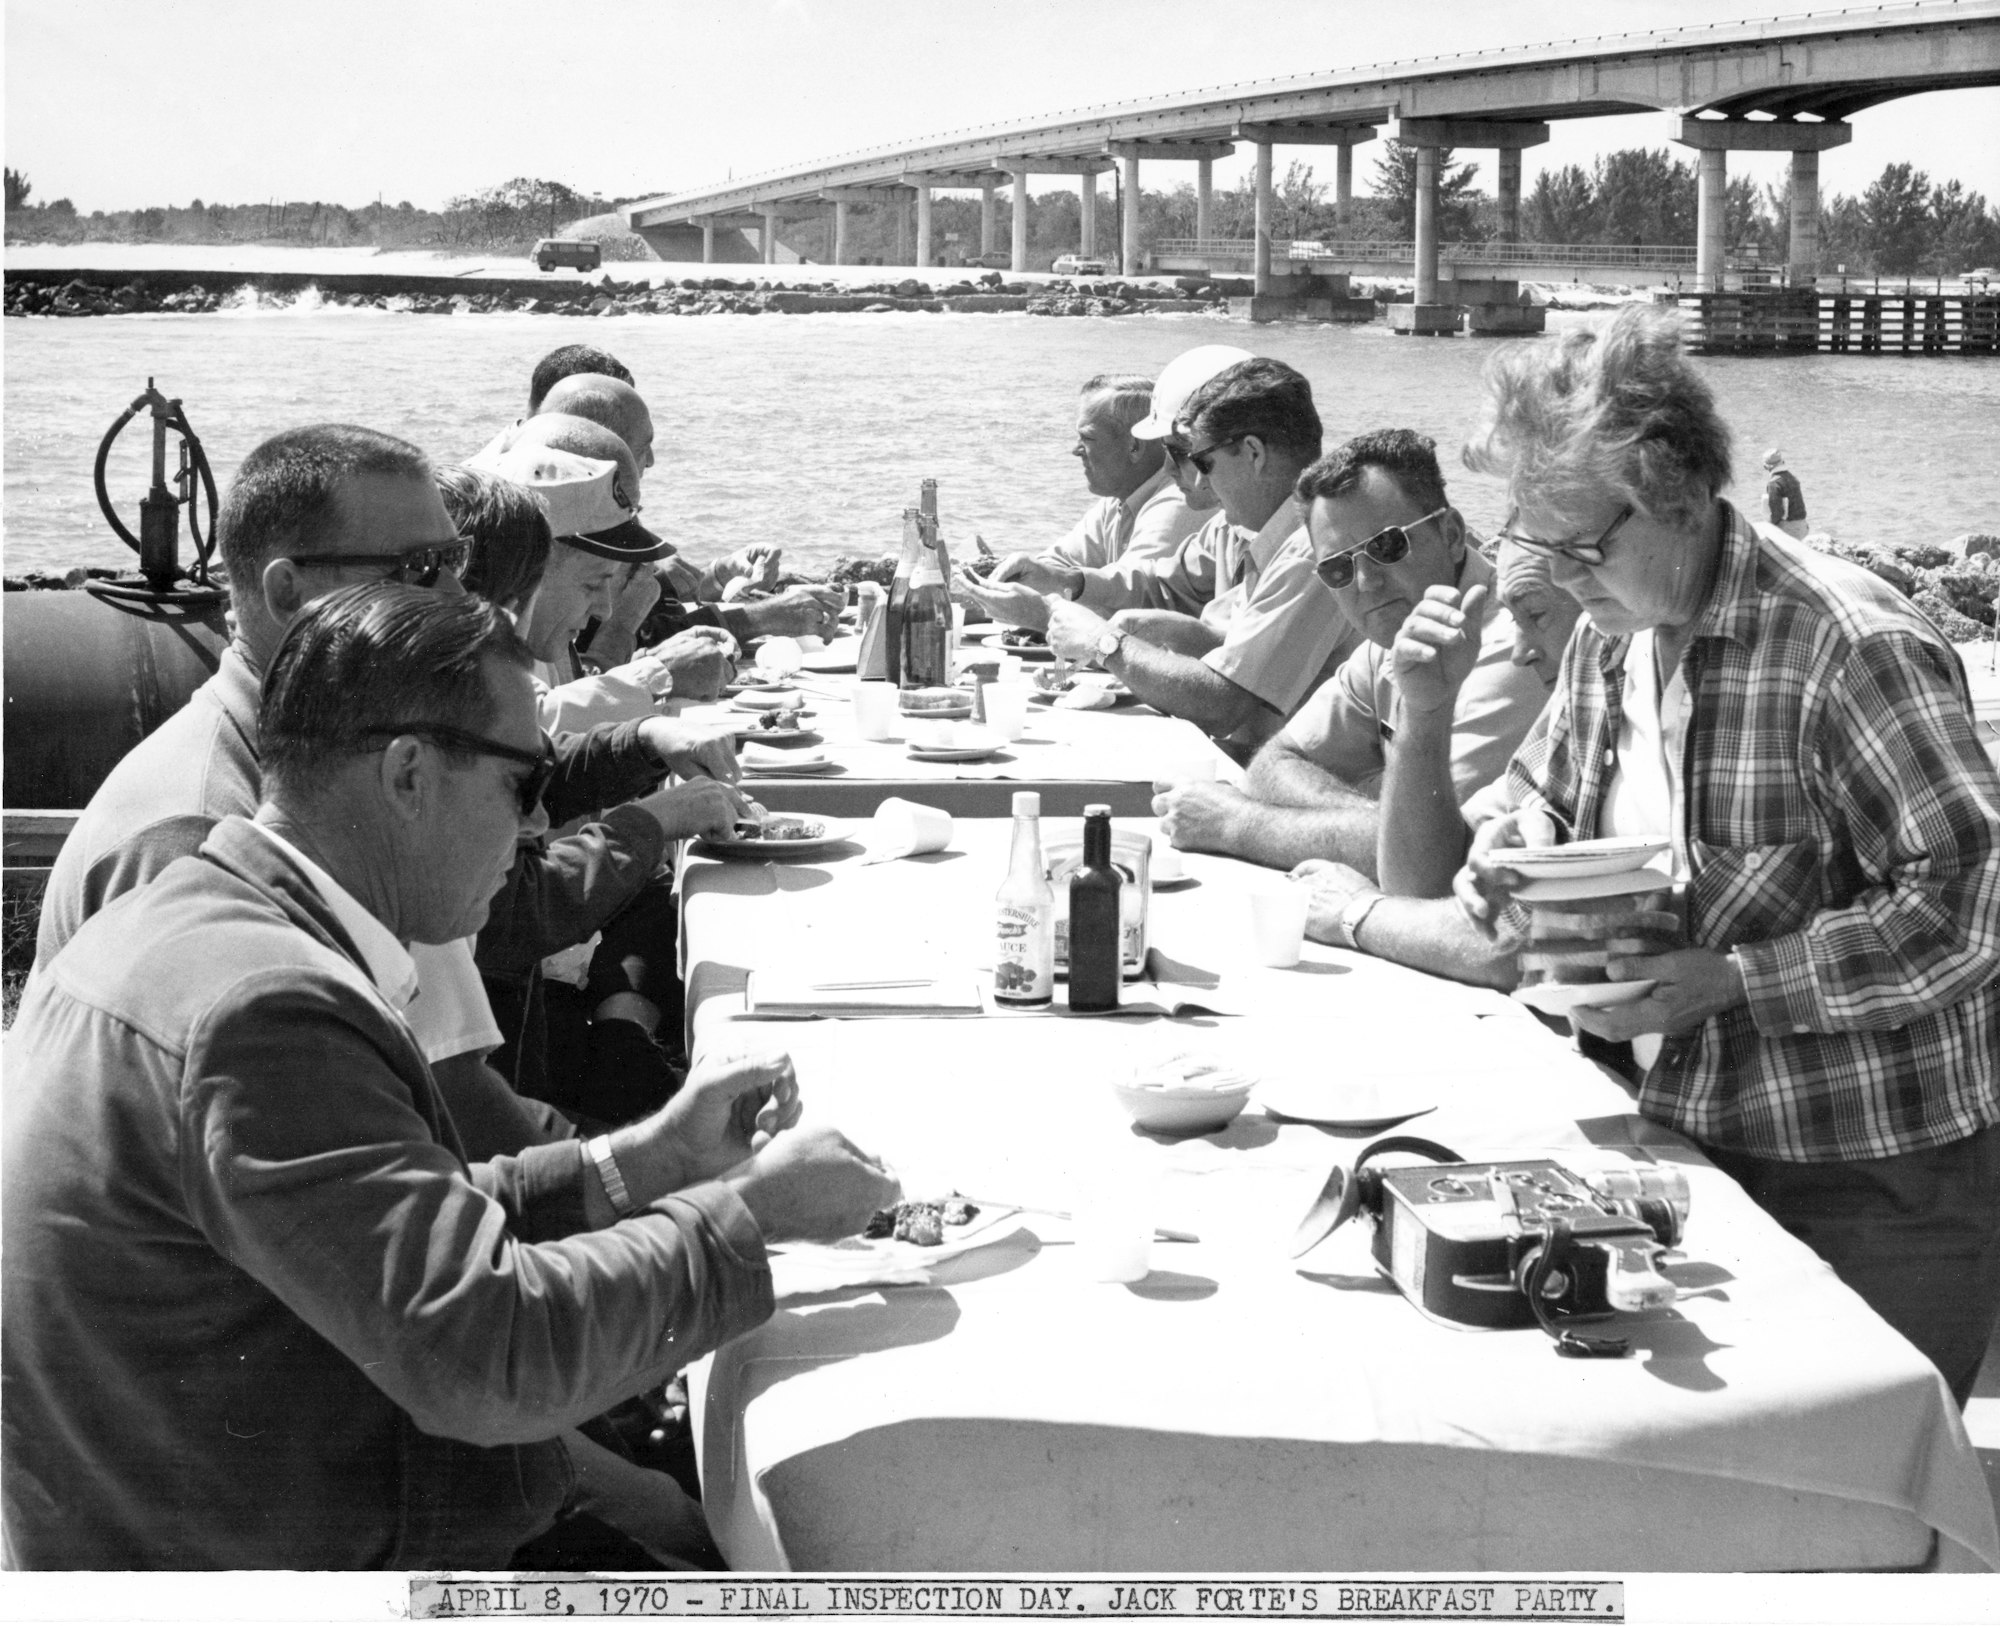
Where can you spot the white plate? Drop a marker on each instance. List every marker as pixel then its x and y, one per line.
pixel 838 656
pixel 1343 1104
pixel 833 833
pixel 751 734
pixel 952 753
pixel 1601 855
pixel 1575 888
pixel 782 763
pixel 1560 998
pixel 1027 652
pixel 766 699
pixel 806 1267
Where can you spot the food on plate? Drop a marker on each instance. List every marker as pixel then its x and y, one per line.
pixel 1023 638
pixel 1575 940
pixel 921 1222
pixel 766 826
pixel 790 720
pixel 918 702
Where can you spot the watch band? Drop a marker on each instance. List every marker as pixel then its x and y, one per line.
pixel 1109 642
pixel 608 1175
pixel 1359 908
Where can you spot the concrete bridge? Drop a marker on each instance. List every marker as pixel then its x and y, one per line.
pixel 1786 84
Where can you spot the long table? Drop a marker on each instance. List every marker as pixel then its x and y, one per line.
pixel 1072 758
pixel 1235 1411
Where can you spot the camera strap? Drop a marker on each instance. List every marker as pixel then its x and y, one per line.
pixel 1558 1254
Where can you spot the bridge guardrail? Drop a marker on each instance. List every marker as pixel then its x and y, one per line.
pixel 1662 256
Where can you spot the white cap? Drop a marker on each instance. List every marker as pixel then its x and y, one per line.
pixel 1178 380
pixel 585 498
pixel 1027 804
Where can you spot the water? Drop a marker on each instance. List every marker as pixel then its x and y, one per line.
pixel 814 431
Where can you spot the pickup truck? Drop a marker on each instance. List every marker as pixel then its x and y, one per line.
pixel 1075 265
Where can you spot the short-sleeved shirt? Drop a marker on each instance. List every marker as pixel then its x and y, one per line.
pixel 1346 726
pixel 1149 524
pixel 1783 497
pixel 1283 633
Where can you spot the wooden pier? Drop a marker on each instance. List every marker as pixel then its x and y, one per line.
pixel 1787 321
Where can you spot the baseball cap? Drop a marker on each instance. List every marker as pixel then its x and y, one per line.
pixel 1179 379
pixel 587 504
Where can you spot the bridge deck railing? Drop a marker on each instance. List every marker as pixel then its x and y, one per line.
pixel 1664 256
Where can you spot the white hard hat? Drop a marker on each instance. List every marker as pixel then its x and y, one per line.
pixel 1178 380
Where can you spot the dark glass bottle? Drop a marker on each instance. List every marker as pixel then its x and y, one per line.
pixel 1094 889
pixel 899 598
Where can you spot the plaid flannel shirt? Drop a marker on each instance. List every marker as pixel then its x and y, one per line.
pixel 1843 832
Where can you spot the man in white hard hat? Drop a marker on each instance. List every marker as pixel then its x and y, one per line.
pixel 1183 579
pixel 1784 502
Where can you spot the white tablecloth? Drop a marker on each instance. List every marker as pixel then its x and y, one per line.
pixel 1234 1411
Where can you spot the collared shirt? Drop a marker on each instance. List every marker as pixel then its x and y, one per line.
pixel 1187 580
pixel 386 961
pixel 1842 830
pixel 1283 632
pixel 1346 725
pixel 1149 524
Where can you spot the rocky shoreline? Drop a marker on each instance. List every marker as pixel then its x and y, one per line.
pixel 98 293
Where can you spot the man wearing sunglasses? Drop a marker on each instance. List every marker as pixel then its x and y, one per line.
pixel 1385 538
pixel 264 1309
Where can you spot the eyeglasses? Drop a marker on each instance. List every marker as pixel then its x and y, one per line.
pixel 413 567
pixel 1587 553
pixel 1386 547
pixel 1204 458
pixel 541 764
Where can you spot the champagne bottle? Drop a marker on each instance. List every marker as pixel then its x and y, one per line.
pixel 925 655
pixel 899 598
pixel 1024 964
pixel 1094 926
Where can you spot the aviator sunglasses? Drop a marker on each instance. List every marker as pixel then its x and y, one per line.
pixel 1388 546
pixel 413 567
pixel 542 763
pixel 1203 458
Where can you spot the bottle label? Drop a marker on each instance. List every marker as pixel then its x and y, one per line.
pixel 1024 962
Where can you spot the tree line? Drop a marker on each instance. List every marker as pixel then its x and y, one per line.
pixel 1903 223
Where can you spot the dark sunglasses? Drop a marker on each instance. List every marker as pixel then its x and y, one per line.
pixel 413 567
pixel 1203 458
pixel 1585 553
pixel 1388 546
pixel 541 764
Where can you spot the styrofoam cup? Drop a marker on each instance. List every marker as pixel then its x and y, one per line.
pixel 909 827
pixel 1277 918
pixel 875 714
pixel 1114 1237
pixel 1007 709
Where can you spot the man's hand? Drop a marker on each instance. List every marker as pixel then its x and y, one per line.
pixel 797 612
pixel 1484 887
pixel 1030 572
pixel 1200 815
pixel 1073 631
pixel 704 750
pixel 728 1110
pixel 814 1185
pixel 757 564
pixel 612 644
pixel 1435 652
pixel 1332 888
pixel 699 660
pixel 701 807
pixel 1009 603
pixel 1693 984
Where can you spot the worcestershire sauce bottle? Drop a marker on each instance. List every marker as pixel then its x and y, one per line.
pixel 1094 973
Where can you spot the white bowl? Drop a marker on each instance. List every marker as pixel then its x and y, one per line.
pixel 1165 1099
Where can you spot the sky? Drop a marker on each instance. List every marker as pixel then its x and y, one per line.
pixel 124 103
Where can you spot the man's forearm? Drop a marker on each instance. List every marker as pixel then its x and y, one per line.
pixel 1285 836
pixel 1184 687
pixel 1422 839
pixel 1432 934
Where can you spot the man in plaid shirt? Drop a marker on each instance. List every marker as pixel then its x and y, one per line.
pixel 1831 1031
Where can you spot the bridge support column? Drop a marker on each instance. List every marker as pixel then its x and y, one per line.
pixel 1711 232
pixel 1020 222
pixel 986 214
pixel 1261 254
pixel 1343 185
pixel 708 242
pixel 840 238
pixel 1427 225
pixel 1510 194
pixel 769 236
pixel 1086 242
pixel 1802 257
pixel 923 225
pixel 1204 194
pixel 1129 234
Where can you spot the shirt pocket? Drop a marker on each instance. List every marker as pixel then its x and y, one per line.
pixel 1753 894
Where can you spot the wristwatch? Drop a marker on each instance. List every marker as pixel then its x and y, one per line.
pixel 1108 643
pixel 1359 908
